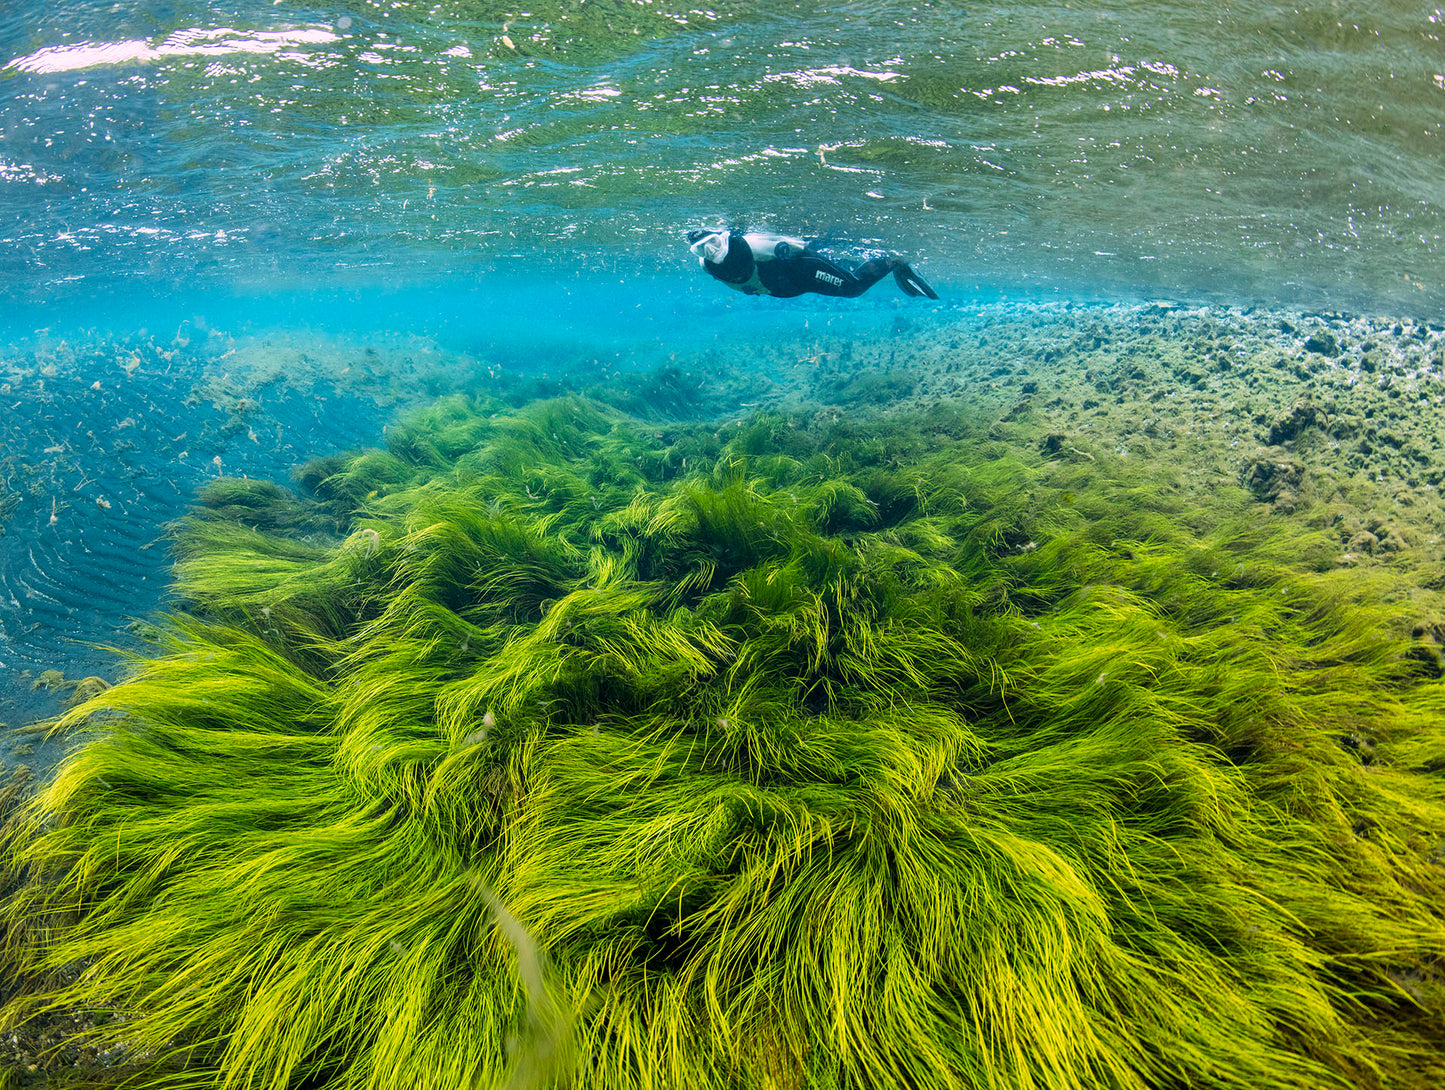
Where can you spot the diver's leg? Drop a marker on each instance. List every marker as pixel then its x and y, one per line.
pixel 808 272
pixel 908 281
pixel 869 273
pixel 811 273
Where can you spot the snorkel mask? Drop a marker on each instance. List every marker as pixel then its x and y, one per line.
pixel 709 245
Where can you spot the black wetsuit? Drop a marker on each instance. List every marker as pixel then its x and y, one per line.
pixel 760 264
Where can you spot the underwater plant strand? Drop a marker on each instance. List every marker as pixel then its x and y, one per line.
pixel 550 747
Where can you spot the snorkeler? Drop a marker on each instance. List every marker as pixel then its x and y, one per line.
pixel 759 263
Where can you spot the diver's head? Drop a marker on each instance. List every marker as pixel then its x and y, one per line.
pixel 709 245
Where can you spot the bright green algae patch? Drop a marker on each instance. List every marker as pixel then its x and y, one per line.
pixel 785 755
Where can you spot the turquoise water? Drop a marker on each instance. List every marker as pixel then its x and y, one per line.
pixel 1245 151
pixel 484 196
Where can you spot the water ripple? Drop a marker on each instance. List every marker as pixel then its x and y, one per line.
pixel 1204 150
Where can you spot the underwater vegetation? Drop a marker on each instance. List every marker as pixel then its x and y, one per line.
pixel 547 747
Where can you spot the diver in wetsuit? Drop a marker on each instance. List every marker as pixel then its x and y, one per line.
pixel 760 263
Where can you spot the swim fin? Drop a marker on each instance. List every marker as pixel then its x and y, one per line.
pixel 911 283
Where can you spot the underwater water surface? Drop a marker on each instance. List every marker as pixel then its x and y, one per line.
pixel 1250 151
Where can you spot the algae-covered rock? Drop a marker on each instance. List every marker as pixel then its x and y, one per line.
pixel 841 755
pixel 84 689
pixel 1273 476
pixel 48 680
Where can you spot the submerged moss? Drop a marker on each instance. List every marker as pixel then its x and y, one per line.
pixel 760 757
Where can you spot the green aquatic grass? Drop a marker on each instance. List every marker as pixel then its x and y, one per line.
pixel 591 754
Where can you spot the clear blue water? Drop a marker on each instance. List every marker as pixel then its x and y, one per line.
pixel 510 185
